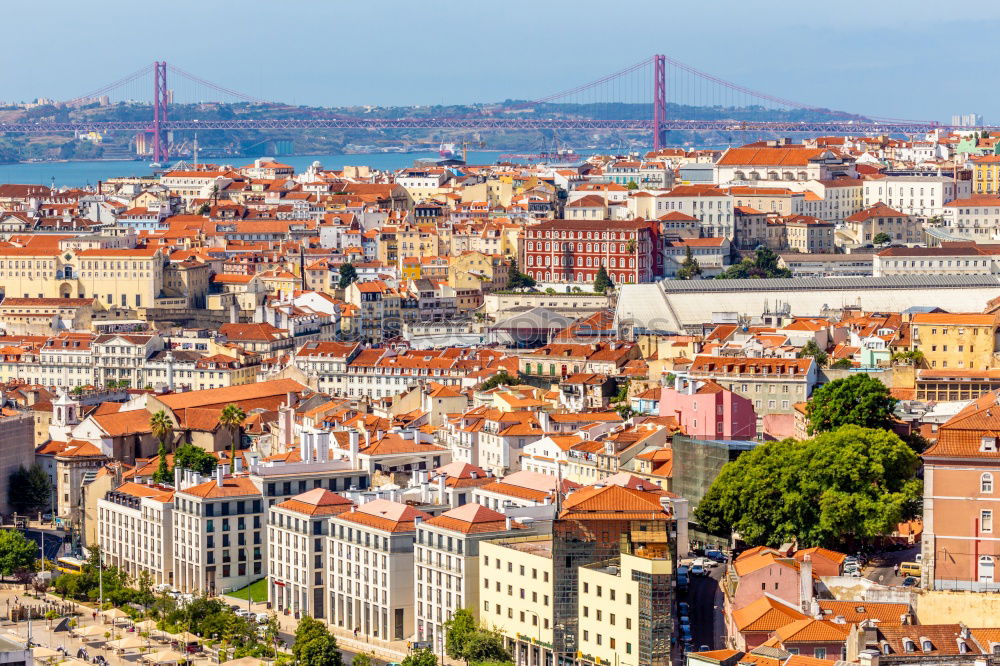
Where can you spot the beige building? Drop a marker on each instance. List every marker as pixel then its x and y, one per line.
pixel 955 341
pixel 297 531
pixel 447 565
pixel 135 530
pixel 117 278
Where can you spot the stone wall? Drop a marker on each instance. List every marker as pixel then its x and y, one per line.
pixel 975 609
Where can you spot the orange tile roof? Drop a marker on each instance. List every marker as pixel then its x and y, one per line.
pixel 317 502
pixel 239 486
pixel 385 515
pixel 765 614
pixel 472 519
pixel 812 631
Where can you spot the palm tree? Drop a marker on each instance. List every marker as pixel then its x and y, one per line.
pixel 161 427
pixel 232 417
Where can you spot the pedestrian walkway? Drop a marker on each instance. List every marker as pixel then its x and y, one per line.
pixel 386 650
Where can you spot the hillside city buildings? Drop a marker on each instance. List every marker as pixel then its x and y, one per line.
pixel 443 411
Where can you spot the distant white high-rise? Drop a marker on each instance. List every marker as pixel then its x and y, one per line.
pixel 967 120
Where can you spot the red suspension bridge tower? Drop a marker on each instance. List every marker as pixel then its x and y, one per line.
pixel 160 152
pixel 659 99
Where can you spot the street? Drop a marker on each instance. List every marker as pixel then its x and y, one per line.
pixel 705 597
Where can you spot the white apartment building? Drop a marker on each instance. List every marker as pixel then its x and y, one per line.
pixel 446 565
pixel 297 532
pixel 135 530
pixel 841 198
pixel 949 259
pixel 920 196
pixel 713 207
pixel 370 571
pixel 123 356
pixel 976 218
pixel 218 534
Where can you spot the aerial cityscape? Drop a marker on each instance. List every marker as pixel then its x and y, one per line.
pixel 395 346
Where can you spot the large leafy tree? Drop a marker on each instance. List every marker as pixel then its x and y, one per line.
pixel 764 264
pixel 602 281
pixel 850 483
pixel 348 274
pixel 232 417
pixel 422 657
pixel 162 427
pixel 855 400
pixel 810 348
pixel 516 279
pixel 465 639
pixel 189 456
pixel 29 490
pixel 690 268
pixel 17 552
pixel 315 645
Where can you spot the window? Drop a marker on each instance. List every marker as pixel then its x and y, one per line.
pixel 986 483
pixel 986 520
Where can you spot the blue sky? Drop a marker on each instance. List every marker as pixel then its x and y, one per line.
pixel 904 59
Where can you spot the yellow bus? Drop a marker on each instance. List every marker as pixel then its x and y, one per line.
pixel 72 565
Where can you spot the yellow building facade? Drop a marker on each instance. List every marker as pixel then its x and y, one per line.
pixel 128 278
pixel 955 341
pixel 986 174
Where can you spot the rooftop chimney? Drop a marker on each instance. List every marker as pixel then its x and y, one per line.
pixel 806 584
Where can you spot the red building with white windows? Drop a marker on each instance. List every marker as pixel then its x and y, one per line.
pixel 572 251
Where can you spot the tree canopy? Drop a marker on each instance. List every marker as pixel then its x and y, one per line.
pixel 810 348
pixel 602 281
pixel 882 238
pixel 189 456
pixel 502 378
pixel 516 279
pixel 348 274
pixel 16 552
pixel 422 657
pixel 855 400
pixel 690 268
pixel 852 482
pixel 315 645
pixel 764 264
pixel 29 490
pixel 232 417
pixel 465 639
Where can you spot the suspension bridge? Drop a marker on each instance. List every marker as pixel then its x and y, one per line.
pixel 654 96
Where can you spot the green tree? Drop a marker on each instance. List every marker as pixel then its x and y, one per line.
pixel 882 238
pixel 602 281
pixel 516 279
pixel 348 274
pixel 232 417
pixel 850 483
pixel 361 659
pixel 486 646
pixel 502 378
pixel 161 428
pixel 189 456
pixel 16 552
pixel 690 268
pixel 457 632
pixel 314 645
pixel 810 348
pixel 204 209
pixel 842 364
pixel 631 185
pixel 29 490
pixel 913 357
pixel 764 264
pixel 420 658
pixel 857 400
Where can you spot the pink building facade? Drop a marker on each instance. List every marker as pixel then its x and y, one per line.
pixel 706 410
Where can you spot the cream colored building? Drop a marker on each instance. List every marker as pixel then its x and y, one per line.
pixel 612 606
pixel 516 592
pixel 135 530
pixel 125 278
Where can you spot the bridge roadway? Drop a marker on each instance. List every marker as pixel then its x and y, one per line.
pixel 841 127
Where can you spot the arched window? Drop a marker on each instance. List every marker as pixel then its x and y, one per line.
pixel 926 645
pixel 986 483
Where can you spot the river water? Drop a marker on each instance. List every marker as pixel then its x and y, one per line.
pixel 76 174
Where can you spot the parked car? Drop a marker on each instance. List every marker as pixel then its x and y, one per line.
pixel 910 581
pixel 715 555
pixel 683 608
pixel 243 612
pixel 697 570
pixel 704 648
pixel 705 563
pixel 686 635
pixel 262 618
pixel 685 626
